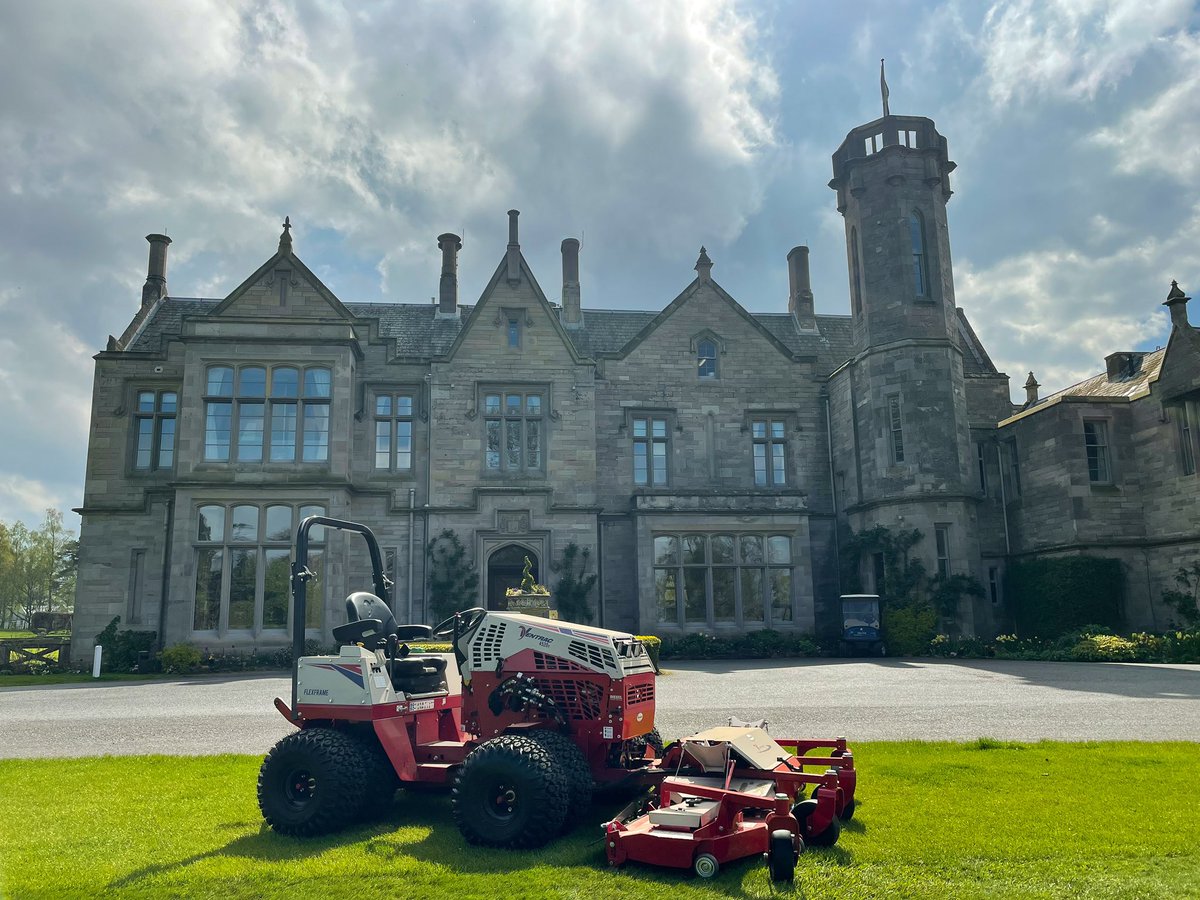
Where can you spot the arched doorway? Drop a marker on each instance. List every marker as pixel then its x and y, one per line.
pixel 504 570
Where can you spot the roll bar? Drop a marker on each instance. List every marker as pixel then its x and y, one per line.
pixel 301 575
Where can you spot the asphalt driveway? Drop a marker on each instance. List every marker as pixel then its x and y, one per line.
pixel 864 700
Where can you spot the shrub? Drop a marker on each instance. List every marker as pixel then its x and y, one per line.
pixel 907 631
pixel 1050 597
pixel 179 659
pixel 1104 648
pixel 1185 602
pixel 653 647
pixel 123 649
pixel 761 644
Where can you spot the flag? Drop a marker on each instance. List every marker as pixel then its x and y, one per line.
pixel 883 89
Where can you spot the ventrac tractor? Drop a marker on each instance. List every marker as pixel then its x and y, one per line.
pixel 547 711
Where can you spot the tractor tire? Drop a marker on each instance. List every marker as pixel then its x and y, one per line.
pixel 380 776
pixel 510 792
pixel 781 855
pixel 312 782
pixel 826 838
pixel 575 766
pixel 635 747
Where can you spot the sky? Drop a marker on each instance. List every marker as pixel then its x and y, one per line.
pixel 644 128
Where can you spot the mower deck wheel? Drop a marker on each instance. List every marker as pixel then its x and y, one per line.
pixel 576 769
pixel 781 855
pixel 311 782
pixel 510 792
pixel 706 865
pixel 826 838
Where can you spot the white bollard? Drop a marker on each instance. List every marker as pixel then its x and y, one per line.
pixel 96 661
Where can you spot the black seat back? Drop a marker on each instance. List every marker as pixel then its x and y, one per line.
pixel 363 605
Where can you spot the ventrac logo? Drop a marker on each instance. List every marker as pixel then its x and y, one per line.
pixel 525 631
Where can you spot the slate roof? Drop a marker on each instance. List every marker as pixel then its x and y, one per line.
pixel 1099 387
pixel 419 333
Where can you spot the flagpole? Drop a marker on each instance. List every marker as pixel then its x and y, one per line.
pixel 883 90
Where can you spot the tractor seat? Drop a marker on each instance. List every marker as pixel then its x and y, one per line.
pixel 368 622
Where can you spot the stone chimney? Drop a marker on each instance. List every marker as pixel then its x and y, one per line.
pixel 800 295
pixel 704 267
pixel 1123 364
pixel 450 244
pixel 572 313
pixel 514 249
pixel 156 272
pixel 1031 390
pixel 1176 302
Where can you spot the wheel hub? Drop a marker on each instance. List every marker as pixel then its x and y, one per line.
pixel 300 786
pixel 504 801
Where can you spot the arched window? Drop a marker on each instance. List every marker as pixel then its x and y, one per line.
pixel 855 272
pixel 706 359
pixel 916 230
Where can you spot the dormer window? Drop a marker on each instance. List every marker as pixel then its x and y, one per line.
pixel 706 359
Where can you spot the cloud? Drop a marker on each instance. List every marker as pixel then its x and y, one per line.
pixel 1020 305
pixel 1163 135
pixel 1070 49
pixel 375 127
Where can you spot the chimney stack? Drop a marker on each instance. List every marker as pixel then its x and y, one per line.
pixel 1176 302
pixel 514 248
pixel 450 244
pixel 156 271
pixel 1031 390
pixel 800 295
pixel 572 313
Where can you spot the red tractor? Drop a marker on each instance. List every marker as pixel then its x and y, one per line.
pixel 547 711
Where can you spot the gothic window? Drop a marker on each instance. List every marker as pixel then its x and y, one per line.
pixel 154 427
pixel 1095 442
pixel 1187 447
pixel 981 462
pixel 651 450
pixel 282 412
pixel 994 584
pixel 394 432
pixel 855 272
pixel 1013 481
pixel 742 579
pixel 920 259
pixel 769 442
pixel 512 327
pixel 514 424
pixel 896 429
pixel 941 535
pixel 706 359
pixel 243 562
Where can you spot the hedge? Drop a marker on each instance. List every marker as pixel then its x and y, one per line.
pixel 1053 596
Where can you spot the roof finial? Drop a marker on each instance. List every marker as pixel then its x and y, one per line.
pixel 285 239
pixel 704 265
pixel 883 90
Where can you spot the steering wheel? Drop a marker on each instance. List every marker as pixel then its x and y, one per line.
pixel 468 618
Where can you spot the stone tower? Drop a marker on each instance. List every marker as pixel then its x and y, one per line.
pixel 900 401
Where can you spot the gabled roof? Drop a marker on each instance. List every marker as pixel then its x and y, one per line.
pixel 285 256
pixel 688 292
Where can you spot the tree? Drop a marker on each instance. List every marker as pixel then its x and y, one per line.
pixel 37 569
pixel 574 586
pixel 452 577
pixel 1185 602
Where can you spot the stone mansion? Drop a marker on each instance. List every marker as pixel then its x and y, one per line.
pixel 707 456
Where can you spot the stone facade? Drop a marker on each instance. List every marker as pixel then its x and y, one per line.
pixel 705 456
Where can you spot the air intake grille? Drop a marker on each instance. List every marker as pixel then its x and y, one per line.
pixel 590 654
pixel 579 700
pixel 546 663
pixel 639 693
pixel 486 649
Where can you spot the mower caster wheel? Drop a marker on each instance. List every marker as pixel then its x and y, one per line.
pixel 781 855
pixel 848 812
pixel 706 865
pixel 826 838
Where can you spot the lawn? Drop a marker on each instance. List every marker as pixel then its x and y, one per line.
pixel 934 820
